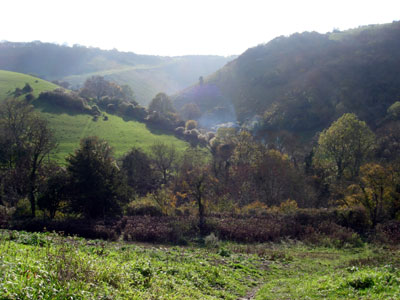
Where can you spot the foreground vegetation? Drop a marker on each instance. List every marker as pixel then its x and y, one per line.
pixel 49 266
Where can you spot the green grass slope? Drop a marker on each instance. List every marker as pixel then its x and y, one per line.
pixel 69 127
pixel 9 81
pixel 121 134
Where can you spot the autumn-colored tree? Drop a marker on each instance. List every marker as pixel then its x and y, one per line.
pixel 376 192
pixel 196 182
pixel 190 124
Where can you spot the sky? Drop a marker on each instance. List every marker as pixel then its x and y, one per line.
pixel 182 27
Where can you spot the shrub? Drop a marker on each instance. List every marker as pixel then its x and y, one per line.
pixel 190 124
pixel 255 208
pixel 329 234
pixel 211 241
pixel 65 99
pixel 5 215
pixel 361 281
pixel 144 207
pixel 27 89
pixel 29 97
pixel 387 233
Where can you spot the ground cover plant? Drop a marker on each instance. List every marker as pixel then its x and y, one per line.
pixel 50 266
pixel 327 273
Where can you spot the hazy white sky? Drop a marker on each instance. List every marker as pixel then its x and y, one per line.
pixel 179 27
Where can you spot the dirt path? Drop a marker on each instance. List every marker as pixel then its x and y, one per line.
pixel 251 295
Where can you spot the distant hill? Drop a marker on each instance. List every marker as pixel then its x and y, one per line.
pixel 302 82
pixel 146 74
pixel 70 126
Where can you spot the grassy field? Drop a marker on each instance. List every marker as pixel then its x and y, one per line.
pixel 299 272
pixel 121 134
pixel 11 80
pixel 48 266
pixel 70 127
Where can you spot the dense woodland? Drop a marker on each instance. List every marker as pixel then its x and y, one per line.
pixel 321 160
pixel 304 82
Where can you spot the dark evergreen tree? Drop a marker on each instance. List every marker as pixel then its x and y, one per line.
pixel 97 185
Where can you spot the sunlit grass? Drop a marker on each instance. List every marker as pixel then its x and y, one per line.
pixel 69 127
pixel 122 135
pixel 49 266
pixel 11 80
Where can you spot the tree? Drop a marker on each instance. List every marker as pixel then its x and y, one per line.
pixel 161 104
pixel 393 111
pixel 27 89
pixel 55 190
pixel 164 157
pixel 190 124
pixel 190 111
pixel 196 181
pixel 26 140
pixel 97 185
pixel 376 192
pixel 95 86
pixel 347 143
pixel 128 94
pixel 137 167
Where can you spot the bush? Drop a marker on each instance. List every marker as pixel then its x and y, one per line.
pixel 387 233
pixel 69 100
pixel 211 241
pixel 190 124
pixel 329 234
pixel 29 97
pixel 255 208
pixel 5 215
pixel 83 228
pixel 144 207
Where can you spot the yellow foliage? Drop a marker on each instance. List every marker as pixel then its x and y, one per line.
pixel 166 200
pixel 255 208
pixel 288 206
pixel 278 155
pixel 375 191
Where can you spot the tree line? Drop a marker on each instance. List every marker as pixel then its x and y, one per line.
pixel 231 172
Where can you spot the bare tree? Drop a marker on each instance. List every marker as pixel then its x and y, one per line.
pixel 25 140
pixel 164 157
